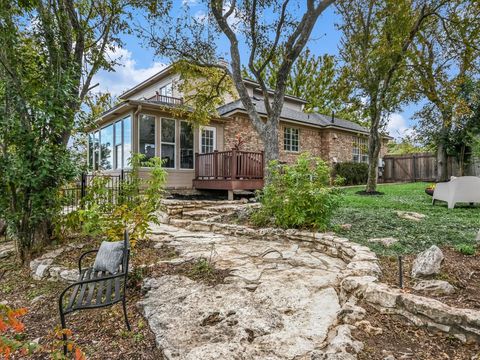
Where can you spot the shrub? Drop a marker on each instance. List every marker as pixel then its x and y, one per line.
pixel 353 173
pixel 134 209
pixel 465 249
pixel 298 195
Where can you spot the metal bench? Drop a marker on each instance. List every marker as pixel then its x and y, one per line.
pixel 95 289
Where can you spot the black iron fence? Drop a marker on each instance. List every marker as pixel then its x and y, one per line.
pixel 73 194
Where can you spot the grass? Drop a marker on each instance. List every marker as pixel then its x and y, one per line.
pixel 375 217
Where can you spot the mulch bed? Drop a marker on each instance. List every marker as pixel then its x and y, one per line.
pixel 404 340
pixel 462 271
pixel 100 333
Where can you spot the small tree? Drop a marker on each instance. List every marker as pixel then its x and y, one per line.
pixel 50 52
pixel 444 54
pixel 377 36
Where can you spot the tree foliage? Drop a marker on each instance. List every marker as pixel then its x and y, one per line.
pixel 320 81
pixel 377 38
pixel 49 52
pixel 288 26
pixel 445 54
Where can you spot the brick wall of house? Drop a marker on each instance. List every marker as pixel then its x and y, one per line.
pixel 331 144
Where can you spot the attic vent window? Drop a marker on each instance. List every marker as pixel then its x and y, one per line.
pixel 166 90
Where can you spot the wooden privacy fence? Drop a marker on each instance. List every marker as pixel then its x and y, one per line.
pixel 415 167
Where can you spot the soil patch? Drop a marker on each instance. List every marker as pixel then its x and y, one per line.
pixel 462 271
pixel 100 333
pixel 404 340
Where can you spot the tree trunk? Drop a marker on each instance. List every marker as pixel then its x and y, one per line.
pixel 271 145
pixel 374 145
pixel 442 168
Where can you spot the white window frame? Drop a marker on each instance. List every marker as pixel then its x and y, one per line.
pixel 214 129
pixel 169 143
pixel 357 151
pixel 117 164
pixel 291 138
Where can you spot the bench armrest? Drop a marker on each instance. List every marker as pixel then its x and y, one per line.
pixel 81 258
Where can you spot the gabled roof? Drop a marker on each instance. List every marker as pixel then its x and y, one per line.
pixel 314 119
pixel 150 81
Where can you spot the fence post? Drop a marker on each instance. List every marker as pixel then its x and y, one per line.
pixel 414 167
pixel 215 164
pixel 83 181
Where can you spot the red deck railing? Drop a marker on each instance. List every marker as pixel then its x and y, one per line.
pixel 229 165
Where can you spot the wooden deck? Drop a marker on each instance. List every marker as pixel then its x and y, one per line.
pixel 229 170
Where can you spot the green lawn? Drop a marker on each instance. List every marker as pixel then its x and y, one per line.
pixel 375 216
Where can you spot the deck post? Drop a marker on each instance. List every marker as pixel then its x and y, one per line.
pixel 230 195
pixel 196 165
pixel 215 164
pixel 233 172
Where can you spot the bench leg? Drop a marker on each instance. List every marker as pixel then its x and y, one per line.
pixel 64 336
pixel 125 313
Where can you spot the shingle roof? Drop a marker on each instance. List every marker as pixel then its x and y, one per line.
pixel 294 115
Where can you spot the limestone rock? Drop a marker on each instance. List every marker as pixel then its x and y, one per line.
pixel 342 345
pixel 367 327
pixel 385 241
pixel 6 249
pixel 427 262
pixel 435 287
pixel 410 215
pixel 346 226
pixel 478 236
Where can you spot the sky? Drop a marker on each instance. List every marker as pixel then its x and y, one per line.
pixel 137 61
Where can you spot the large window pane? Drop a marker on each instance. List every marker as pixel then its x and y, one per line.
pixel 96 150
pixel 90 151
pixel 106 151
pixel 127 141
pixel 147 135
pixel 186 145
pixel 168 155
pixel 118 145
pixel 290 139
pixel 168 143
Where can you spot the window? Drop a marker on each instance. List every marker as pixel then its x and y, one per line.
pixel 106 148
pixel 208 139
pixel 96 149
pixel 360 149
pixel 290 139
pixel 118 145
pixel 127 141
pixel 166 90
pixel 91 140
pixel 146 136
pixel 168 143
pixel 186 145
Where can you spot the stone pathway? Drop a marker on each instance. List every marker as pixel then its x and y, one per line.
pixel 280 301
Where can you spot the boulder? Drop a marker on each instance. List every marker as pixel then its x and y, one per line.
pixel 428 262
pixel 435 287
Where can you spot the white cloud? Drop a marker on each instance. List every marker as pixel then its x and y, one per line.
pixel 398 126
pixel 125 75
pixel 189 2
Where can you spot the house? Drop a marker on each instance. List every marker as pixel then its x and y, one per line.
pixel 201 157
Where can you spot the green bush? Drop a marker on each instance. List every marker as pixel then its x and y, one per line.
pixel 466 249
pixel 353 173
pixel 298 195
